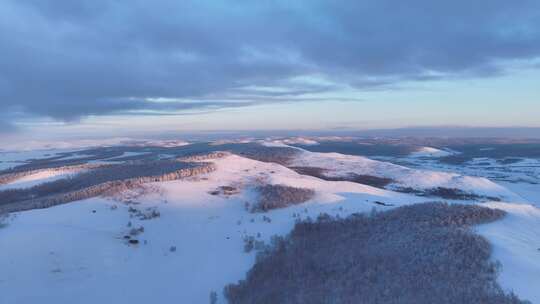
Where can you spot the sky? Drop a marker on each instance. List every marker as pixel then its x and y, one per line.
pixel 99 67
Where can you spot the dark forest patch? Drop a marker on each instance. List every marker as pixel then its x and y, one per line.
pixel 280 196
pixel 423 253
pixel 370 180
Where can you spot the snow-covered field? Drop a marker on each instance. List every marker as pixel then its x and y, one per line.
pixel 77 253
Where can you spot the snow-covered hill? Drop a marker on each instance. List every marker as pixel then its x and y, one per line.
pixel 192 241
pixel 340 165
pixel 207 231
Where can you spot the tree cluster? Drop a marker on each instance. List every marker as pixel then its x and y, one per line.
pixel 424 253
pixel 280 196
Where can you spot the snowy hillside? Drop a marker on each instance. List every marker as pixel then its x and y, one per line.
pixel 340 165
pixel 516 245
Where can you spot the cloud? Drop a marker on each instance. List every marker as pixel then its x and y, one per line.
pixel 132 106
pixel 68 59
pixel 7 127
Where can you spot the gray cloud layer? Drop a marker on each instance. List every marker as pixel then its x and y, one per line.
pixel 6 127
pixel 66 59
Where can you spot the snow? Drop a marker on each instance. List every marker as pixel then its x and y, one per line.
pixel 431 152
pixel 28 146
pixel 296 141
pixel 164 143
pixel 516 245
pixel 59 254
pixel 76 155
pixel 528 192
pixel 207 230
pixel 516 238
pixel 38 178
pixel 116 159
pixel 12 159
pixel 338 164
pixel 233 141
pixel 127 154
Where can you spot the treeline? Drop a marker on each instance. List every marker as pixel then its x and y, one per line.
pixel 97 182
pixel 206 156
pixel 423 253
